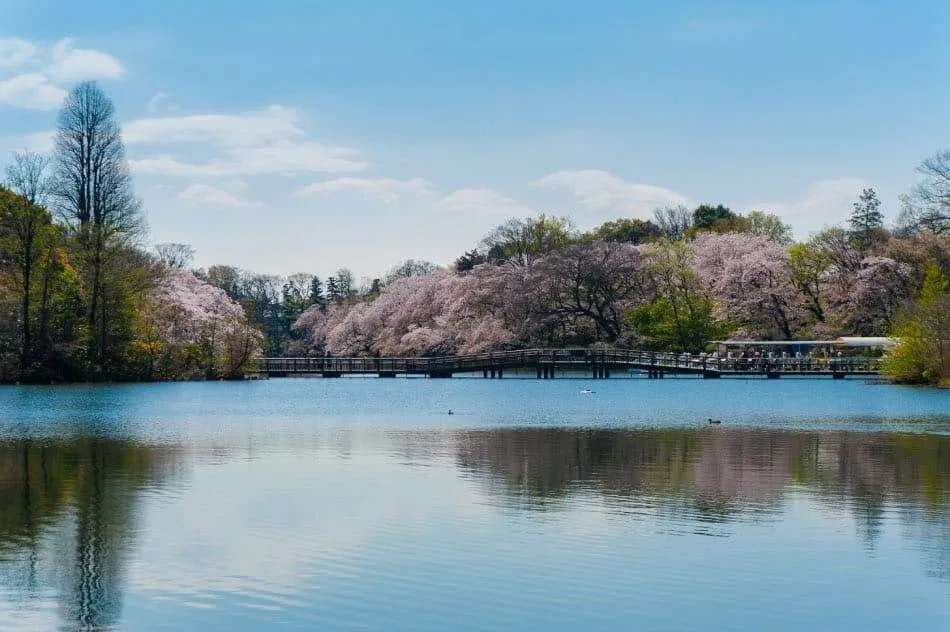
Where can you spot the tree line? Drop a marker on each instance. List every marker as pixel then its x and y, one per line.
pixel 675 282
pixel 84 298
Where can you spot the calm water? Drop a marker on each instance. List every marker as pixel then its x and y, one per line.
pixel 360 504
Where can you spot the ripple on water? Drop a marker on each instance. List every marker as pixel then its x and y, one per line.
pixel 337 506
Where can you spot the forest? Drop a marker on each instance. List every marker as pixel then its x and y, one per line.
pixel 86 298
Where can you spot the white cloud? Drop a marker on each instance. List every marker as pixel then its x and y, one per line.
pixel 15 52
pixel 267 141
pixel 31 91
pixel 386 189
pixel 44 71
pixel 76 64
pixel 308 157
pixel 602 191
pixel 274 123
pixel 481 202
pixel 41 142
pixel 826 202
pixel 211 195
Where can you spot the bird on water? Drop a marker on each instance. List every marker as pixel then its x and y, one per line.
pixel 715 421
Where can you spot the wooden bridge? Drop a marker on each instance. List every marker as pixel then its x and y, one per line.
pixel 598 364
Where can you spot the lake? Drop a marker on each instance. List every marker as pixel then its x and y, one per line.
pixel 361 504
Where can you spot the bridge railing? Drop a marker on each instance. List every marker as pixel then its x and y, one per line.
pixel 567 359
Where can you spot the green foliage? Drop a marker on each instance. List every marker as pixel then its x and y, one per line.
pixel 668 327
pixel 922 352
pixel 681 316
pixel 523 240
pixel 469 260
pixel 866 219
pixel 625 230
pixel 768 225
pixel 706 215
pixel 808 262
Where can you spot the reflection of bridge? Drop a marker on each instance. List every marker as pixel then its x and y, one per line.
pixel 547 363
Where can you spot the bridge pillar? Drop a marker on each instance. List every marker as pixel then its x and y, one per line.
pixel 540 372
pixel 485 373
pixel 499 374
pixel 606 373
pixel 493 374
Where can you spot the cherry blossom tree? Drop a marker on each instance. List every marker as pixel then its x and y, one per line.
pixel 748 277
pixel 868 303
pixel 189 327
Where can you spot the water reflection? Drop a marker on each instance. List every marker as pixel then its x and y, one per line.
pixel 366 506
pixel 722 475
pixel 68 520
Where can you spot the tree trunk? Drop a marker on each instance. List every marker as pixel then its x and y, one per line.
pixel 27 342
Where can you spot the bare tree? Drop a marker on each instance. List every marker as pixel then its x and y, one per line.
pixel 523 240
pixel 674 221
pixel 410 268
pixel 93 192
pixel 596 283
pixel 177 256
pixel 27 176
pixel 927 208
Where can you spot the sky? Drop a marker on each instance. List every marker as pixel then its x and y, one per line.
pixel 286 137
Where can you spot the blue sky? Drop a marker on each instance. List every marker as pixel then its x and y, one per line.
pixel 304 136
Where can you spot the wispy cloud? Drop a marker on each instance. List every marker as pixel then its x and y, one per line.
pixel 155 103
pixel 599 190
pixel 274 123
pixel 245 161
pixel 480 201
pixel 258 142
pixel 386 189
pixel 826 202
pixel 37 75
pixel 207 194
pixel 15 52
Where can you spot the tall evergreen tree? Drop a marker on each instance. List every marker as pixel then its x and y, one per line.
pixel 866 218
pixel 333 290
pixel 316 293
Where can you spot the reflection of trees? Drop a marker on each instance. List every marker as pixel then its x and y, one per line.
pixel 720 474
pixel 712 469
pixel 67 514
